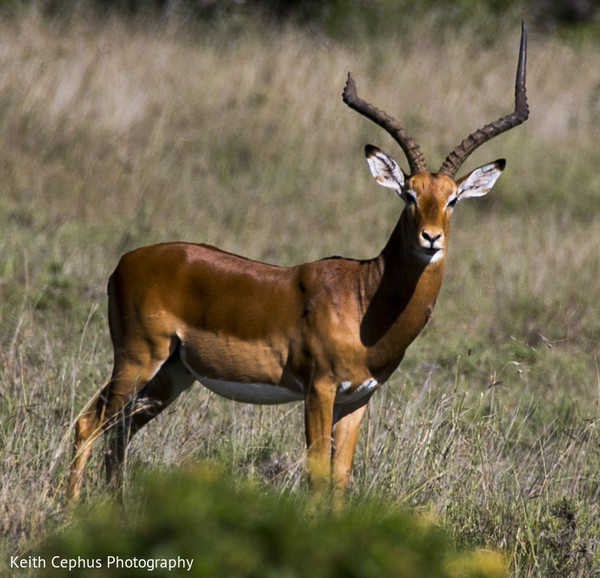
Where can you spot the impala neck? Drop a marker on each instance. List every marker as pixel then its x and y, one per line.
pixel 400 291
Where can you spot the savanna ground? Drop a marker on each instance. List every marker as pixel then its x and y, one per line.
pixel 117 133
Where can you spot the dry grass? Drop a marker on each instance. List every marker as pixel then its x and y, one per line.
pixel 117 135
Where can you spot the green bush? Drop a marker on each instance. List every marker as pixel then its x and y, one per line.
pixel 241 530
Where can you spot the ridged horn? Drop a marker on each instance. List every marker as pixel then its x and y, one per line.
pixel 521 113
pixel 411 149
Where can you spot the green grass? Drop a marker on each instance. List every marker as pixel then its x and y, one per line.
pixel 116 135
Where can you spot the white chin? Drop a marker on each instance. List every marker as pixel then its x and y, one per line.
pixel 431 256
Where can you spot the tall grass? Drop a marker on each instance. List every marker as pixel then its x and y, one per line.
pixel 116 135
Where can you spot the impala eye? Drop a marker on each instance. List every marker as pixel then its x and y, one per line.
pixel 410 198
pixel 452 202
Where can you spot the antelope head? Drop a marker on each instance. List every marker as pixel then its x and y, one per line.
pixel 431 197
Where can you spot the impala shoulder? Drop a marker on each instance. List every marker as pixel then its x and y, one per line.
pixel 327 279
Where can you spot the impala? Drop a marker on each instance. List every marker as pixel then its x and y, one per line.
pixel 328 333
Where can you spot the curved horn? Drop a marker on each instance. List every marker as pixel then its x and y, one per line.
pixel 411 149
pixel 521 113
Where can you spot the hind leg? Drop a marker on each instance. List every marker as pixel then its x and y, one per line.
pixel 129 375
pixel 165 387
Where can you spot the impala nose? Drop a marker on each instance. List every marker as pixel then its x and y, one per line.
pixel 431 239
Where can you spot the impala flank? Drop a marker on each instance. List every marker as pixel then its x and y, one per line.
pixel 328 333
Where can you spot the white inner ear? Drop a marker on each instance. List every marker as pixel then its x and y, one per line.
pixel 385 169
pixel 480 181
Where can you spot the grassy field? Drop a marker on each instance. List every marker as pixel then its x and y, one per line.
pixel 115 135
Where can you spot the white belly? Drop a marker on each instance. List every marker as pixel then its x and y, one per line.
pixel 269 394
pixel 263 394
pixel 258 393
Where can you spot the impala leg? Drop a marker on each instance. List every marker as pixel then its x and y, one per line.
pixel 346 425
pixel 164 388
pixel 126 379
pixel 90 424
pixel 318 416
pixel 87 430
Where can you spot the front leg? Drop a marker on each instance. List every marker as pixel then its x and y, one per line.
pixel 346 425
pixel 318 416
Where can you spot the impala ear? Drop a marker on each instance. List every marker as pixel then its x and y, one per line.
pixel 384 168
pixel 480 181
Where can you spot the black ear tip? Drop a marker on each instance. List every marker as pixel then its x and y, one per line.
pixel 501 164
pixel 370 150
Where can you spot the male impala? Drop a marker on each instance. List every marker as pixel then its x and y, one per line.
pixel 330 332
